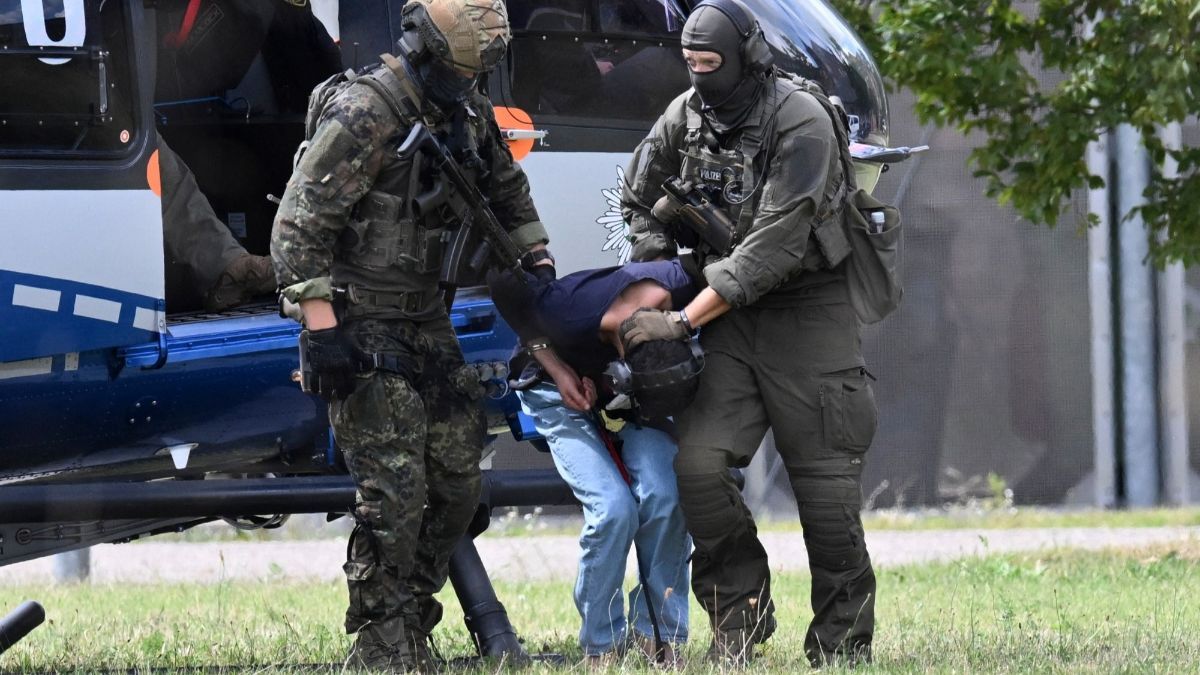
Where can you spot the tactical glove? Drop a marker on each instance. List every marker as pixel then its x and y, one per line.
pixel 544 273
pixel 333 362
pixel 652 324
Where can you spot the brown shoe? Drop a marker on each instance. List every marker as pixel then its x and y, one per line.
pixel 601 662
pixel 382 646
pixel 244 278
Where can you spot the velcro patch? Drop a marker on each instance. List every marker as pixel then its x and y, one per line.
pixel 332 157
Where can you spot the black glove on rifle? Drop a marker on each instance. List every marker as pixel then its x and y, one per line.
pixel 333 361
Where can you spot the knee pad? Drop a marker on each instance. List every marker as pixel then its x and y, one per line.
pixel 833 535
pixel 712 508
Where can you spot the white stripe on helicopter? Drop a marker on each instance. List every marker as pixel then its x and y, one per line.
pixel 36 298
pixel 97 308
pixel 50 300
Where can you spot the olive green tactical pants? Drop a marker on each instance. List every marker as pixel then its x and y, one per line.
pixel 412 444
pixel 799 371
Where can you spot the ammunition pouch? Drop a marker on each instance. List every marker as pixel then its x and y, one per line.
pixel 381 234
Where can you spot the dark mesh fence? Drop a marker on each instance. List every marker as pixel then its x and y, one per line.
pixel 985 369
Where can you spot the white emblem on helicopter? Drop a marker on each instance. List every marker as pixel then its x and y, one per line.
pixel 614 222
pixel 34 16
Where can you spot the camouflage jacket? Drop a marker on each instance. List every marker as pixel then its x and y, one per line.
pixel 796 191
pixel 346 217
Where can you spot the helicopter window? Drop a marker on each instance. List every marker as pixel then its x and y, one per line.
pixel 65 79
pixel 625 65
pixel 640 17
pixel 556 15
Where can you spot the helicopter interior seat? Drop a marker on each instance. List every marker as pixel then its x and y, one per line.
pixel 230 99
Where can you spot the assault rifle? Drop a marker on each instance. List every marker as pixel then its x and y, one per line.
pixel 479 236
pixel 683 201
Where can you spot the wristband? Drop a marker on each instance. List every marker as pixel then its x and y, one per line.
pixel 530 259
pixel 683 318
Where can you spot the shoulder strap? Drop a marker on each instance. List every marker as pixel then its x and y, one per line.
pixel 398 71
pixel 751 146
pixel 393 86
pixel 694 123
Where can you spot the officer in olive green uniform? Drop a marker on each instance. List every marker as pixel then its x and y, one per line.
pixel 354 251
pixel 781 341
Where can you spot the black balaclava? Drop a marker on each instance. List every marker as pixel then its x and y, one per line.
pixel 443 85
pixel 728 93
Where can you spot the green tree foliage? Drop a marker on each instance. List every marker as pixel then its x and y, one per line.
pixel 972 65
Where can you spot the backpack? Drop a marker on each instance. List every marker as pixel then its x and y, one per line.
pixel 871 227
pixel 388 80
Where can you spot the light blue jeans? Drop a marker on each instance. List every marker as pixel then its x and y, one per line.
pixel 644 513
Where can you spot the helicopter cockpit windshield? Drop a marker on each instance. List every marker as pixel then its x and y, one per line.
pixel 65 79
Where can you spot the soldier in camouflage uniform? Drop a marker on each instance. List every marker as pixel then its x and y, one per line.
pixel 403 405
pixel 781 339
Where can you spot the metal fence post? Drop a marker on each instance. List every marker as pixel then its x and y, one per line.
pixel 1100 287
pixel 1139 387
pixel 1172 367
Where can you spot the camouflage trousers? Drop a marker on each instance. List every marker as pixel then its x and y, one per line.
pixel 412 442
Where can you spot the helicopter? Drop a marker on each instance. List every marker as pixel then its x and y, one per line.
pixel 126 410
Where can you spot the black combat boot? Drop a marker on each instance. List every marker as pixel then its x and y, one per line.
pixel 734 648
pixel 382 646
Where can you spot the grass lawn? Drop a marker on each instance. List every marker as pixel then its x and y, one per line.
pixel 1060 612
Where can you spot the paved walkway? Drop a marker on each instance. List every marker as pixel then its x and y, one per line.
pixel 542 558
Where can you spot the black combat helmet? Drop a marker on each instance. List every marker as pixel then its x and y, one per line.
pixel 452 43
pixel 665 375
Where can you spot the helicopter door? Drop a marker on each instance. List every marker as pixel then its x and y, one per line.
pixel 81 264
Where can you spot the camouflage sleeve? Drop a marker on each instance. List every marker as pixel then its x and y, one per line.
pixel 654 160
pixel 509 193
pixel 805 161
pixel 340 165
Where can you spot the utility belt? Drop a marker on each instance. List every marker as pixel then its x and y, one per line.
pixel 353 300
pixel 362 362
